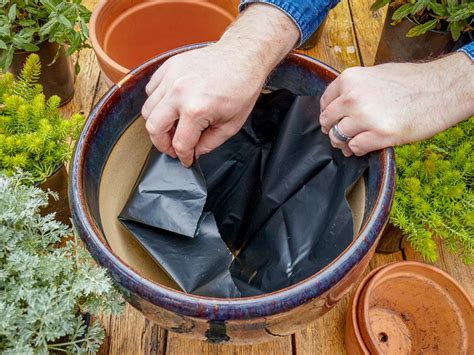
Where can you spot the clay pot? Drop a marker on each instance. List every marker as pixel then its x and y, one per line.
pixel 414 308
pixel 126 33
pixel 57 78
pixel 107 160
pixel 58 182
pixel 395 46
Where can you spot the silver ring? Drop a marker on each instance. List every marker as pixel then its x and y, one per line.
pixel 339 135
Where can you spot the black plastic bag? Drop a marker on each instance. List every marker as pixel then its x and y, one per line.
pixel 273 195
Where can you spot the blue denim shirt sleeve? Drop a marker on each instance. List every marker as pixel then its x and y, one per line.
pixel 468 49
pixel 307 14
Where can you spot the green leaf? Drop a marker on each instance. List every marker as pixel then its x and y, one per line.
pixel 6 58
pixel 379 4
pixel 64 21
pixel 437 8
pixel 455 28
pixel 422 28
pixel 420 5
pixel 402 12
pixel 47 27
pixel 12 13
pixel 2 45
pixel 461 14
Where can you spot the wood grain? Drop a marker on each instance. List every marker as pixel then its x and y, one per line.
pixel 344 42
pixel 368 26
pixel 326 335
pixel 337 45
pixel 449 262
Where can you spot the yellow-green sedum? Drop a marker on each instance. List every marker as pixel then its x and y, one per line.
pixel 33 134
pixel 434 194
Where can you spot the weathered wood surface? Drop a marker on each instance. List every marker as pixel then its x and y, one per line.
pixel 349 38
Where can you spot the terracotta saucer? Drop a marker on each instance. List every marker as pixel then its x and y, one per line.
pixel 414 308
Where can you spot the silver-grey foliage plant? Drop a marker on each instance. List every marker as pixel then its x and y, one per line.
pixel 48 281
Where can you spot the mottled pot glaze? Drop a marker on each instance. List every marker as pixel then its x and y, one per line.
pixel 244 320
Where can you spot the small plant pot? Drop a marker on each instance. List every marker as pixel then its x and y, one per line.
pixel 414 308
pixel 124 33
pixel 395 46
pixel 391 240
pixel 57 78
pixel 58 182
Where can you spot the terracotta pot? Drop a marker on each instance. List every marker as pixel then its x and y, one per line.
pixel 56 78
pixel 353 341
pixel 58 182
pixel 395 46
pixel 126 33
pixel 391 240
pixel 107 160
pixel 414 308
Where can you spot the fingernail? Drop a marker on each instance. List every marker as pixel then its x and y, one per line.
pixel 324 130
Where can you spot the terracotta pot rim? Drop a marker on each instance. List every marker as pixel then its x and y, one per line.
pixel 382 275
pixel 214 308
pixel 97 46
pixel 353 305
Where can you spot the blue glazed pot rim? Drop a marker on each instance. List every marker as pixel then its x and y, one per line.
pixel 212 308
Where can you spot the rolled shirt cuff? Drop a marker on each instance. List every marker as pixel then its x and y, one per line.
pixel 306 14
pixel 468 49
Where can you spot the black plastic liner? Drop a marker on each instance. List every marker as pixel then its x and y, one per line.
pixel 262 212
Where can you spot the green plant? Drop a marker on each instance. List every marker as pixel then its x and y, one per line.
pixel 33 135
pixel 434 194
pixel 452 15
pixel 24 24
pixel 48 281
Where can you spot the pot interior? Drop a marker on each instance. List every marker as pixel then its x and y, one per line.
pixel 153 27
pixel 415 309
pixel 118 178
pixel 114 145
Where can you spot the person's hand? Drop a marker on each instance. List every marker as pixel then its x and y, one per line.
pixel 394 104
pixel 199 99
pixel 210 91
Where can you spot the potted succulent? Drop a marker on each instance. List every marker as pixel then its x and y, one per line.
pixel 54 29
pixel 33 134
pixel 422 29
pixel 50 287
pixel 434 196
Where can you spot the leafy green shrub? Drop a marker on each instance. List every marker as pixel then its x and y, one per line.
pixel 33 135
pixel 451 15
pixel 434 194
pixel 47 282
pixel 26 23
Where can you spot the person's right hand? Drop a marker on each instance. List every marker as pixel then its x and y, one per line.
pixel 199 99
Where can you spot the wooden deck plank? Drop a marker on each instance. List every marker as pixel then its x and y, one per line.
pixel 448 262
pixel 340 46
pixel 179 345
pixel 326 334
pixel 368 28
pixel 337 45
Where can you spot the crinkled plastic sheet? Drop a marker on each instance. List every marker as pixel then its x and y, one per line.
pixel 262 212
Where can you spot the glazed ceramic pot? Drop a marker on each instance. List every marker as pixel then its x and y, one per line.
pixel 395 46
pixel 414 308
pixel 57 78
pixel 106 163
pixel 126 33
pixel 58 182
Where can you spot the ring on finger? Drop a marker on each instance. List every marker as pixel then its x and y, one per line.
pixel 339 135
